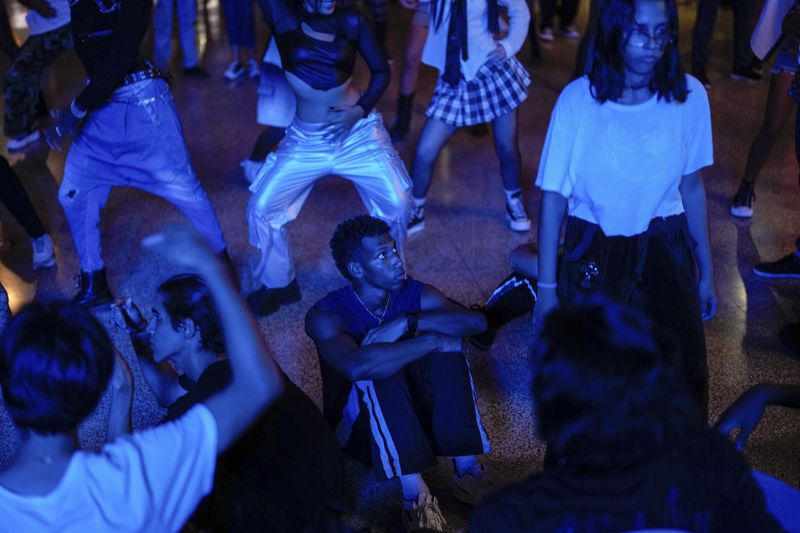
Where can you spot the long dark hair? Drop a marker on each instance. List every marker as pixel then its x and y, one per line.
pixel 607 73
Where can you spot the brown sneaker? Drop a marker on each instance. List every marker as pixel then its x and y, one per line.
pixel 424 516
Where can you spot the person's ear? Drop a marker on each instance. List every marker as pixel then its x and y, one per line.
pixel 187 328
pixel 355 270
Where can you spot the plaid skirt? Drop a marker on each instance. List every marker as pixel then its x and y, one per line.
pixel 495 90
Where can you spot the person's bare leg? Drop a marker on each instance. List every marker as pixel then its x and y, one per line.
pixel 778 108
pixel 434 136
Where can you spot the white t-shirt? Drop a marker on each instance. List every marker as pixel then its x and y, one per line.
pixel 39 24
pixel 620 166
pixel 149 481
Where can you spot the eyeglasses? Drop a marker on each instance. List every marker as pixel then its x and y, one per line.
pixel 639 38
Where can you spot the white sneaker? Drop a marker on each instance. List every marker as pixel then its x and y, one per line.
pixel 253 69
pixel 234 71
pixel 515 214
pixel 546 35
pixel 250 169
pixel 43 256
pixel 424 515
pixel 21 141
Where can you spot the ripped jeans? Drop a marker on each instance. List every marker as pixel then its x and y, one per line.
pixel 135 140
pixel 654 271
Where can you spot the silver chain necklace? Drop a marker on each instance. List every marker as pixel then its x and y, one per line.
pixel 380 317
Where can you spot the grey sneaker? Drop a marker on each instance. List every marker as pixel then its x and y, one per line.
pixel 417 221
pixel 515 214
pixel 472 488
pixel 424 516
pixel 43 256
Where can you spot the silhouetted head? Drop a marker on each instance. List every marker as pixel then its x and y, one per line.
pixel 608 386
pixel 55 362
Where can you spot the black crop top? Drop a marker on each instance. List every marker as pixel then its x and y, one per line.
pixel 107 34
pixel 322 64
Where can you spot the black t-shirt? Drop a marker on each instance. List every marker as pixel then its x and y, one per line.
pixel 107 34
pixel 278 472
pixel 704 486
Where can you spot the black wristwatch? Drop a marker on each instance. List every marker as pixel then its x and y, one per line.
pixel 412 321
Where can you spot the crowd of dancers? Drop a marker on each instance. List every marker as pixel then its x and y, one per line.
pixel 619 365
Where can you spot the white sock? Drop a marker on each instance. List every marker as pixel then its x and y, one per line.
pixel 511 194
pixel 413 485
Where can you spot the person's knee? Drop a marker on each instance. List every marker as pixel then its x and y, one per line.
pixel 69 194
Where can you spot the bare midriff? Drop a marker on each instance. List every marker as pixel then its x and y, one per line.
pixel 314 105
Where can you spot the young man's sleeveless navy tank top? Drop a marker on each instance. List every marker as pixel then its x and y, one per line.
pixel 358 321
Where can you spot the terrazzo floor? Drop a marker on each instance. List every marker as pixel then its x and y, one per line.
pixel 463 251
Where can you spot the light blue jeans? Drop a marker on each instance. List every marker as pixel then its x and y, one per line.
pixel 162 30
pixel 135 140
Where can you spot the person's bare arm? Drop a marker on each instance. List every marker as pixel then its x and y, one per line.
pixel 375 360
pixel 746 412
pixel 551 217
pixel 439 314
pixel 693 195
pixel 256 381
pixel 121 387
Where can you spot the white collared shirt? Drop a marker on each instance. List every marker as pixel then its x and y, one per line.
pixel 480 40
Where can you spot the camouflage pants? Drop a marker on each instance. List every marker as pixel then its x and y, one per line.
pixel 23 98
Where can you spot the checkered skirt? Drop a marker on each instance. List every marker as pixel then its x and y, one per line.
pixel 496 89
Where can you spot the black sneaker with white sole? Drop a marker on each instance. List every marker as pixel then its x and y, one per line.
pixel 742 204
pixel 787 267
pixel 417 221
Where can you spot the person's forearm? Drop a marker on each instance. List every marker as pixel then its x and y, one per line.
pixel 453 322
pixel 551 216
pixel 119 414
pixel 378 361
pixel 163 384
pixel 782 395
pixel 519 19
pixel 694 203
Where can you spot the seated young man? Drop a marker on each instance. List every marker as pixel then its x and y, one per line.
pixel 55 363
pixel 286 466
pixel 632 450
pixel 396 386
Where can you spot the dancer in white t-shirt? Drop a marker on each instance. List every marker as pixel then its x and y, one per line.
pixel 56 362
pixel 622 158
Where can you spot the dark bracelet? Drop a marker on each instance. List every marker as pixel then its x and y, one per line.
pixel 412 322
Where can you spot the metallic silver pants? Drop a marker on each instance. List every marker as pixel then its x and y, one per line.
pixel 365 157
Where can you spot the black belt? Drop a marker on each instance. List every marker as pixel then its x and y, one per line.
pixel 147 74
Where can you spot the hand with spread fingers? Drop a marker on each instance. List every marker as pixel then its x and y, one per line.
pixel 745 414
pixel 183 247
pixel 341 121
